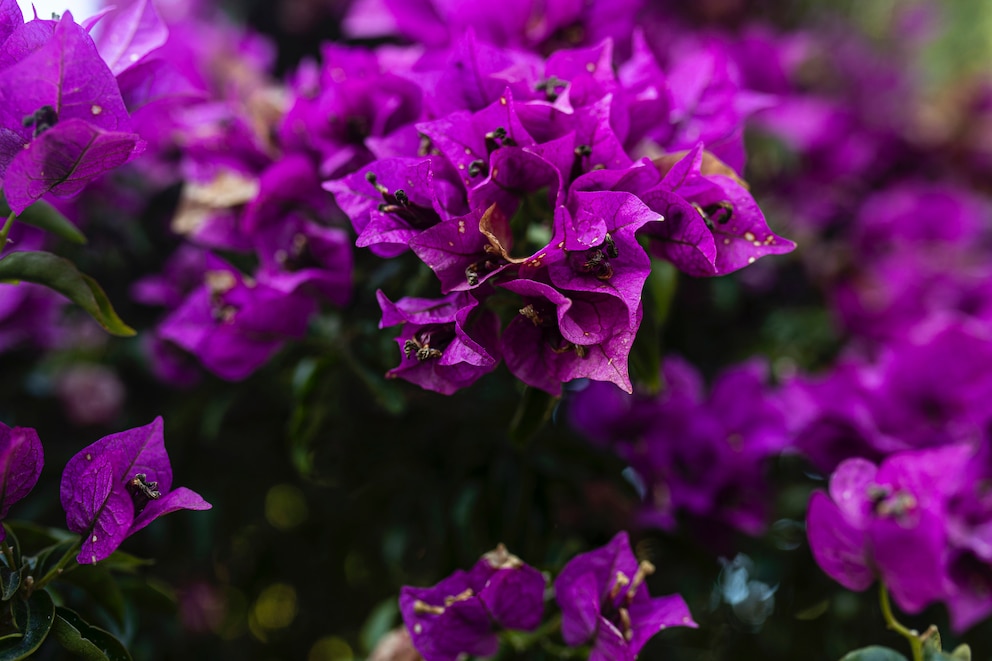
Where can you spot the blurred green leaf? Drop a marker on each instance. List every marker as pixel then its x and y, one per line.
pixel 32 537
pixel 61 275
pixel 379 622
pixel 125 562
pixel 874 653
pixel 99 584
pixel 33 618
pixel 46 217
pixel 89 642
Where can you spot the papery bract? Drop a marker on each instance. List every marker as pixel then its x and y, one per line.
pixel 21 460
pixel 118 485
pixel 462 613
pixel 605 602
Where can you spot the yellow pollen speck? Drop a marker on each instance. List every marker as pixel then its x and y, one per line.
pixel 417 628
pixel 609 362
pixel 450 243
pixel 591 67
pixel 586 333
pixel 93 559
pixel 749 236
pixel 461 166
pixel 750 260
pixel 757 243
pixel 95 109
pixel 662 627
pixel 495 172
pixel 561 245
pixel 726 242
pixel 502 100
pixel 93 539
pixel 468 151
pixel 89 457
pixel 461 226
pixel 686 620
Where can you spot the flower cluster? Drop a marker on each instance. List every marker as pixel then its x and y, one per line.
pixel 251 189
pixel 528 183
pixel 695 455
pixel 603 598
pixel 919 522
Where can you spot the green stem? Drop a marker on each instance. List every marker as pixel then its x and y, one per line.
pixel 8 553
pixel 66 563
pixel 6 230
pixel 909 634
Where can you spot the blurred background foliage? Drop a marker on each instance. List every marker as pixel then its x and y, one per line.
pixel 332 487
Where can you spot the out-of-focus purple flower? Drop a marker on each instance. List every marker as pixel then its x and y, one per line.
pixel 928 390
pixel 234 324
pixel 462 613
pixel 21 459
pixel 887 521
pixel 62 118
pixel 115 487
pixel 605 602
pixel 446 343
pixel 90 394
pixel 698 456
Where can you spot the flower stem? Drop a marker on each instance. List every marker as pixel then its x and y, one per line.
pixel 6 230
pixel 915 643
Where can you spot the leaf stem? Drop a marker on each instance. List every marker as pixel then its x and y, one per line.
pixel 913 636
pixel 66 563
pixel 6 230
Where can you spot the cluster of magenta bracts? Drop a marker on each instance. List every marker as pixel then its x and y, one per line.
pixel 604 602
pixel 110 490
pixel 527 185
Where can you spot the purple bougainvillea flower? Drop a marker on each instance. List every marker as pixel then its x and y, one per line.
pixel 713 226
pixel 62 118
pixel 446 343
pixel 127 34
pixel 234 324
pixel 605 602
pixel 557 338
pixel 21 459
pixel 117 486
pixel 888 522
pixel 462 613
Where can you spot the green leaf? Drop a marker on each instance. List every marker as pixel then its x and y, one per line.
pixel 89 642
pixel 379 622
pixel 874 653
pixel 961 653
pixel 125 562
pixel 31 537
pixel 44 216
pixel 33 619
pixel 10 581
pixel 61 275
pixel 101 587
